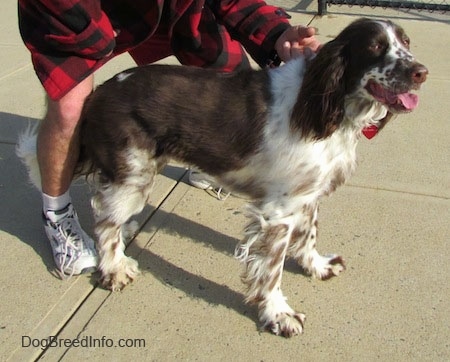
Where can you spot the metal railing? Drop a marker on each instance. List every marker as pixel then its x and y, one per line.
pixel 443 6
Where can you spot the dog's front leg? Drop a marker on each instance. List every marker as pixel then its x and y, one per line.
pixel 263 252
pixel 303 246
pixel 113 205
pixel 117 269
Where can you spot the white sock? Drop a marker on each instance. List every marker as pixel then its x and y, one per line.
pixel 55 203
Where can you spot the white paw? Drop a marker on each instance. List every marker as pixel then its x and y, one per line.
pixel 326 267
pixel 278 317
pixel 286 324
pixel 123 275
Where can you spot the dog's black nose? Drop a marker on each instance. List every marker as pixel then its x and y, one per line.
pixel 419 73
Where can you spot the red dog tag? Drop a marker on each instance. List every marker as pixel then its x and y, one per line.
pixel 370 132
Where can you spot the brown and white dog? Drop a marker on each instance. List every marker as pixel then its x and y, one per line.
pixel 284 137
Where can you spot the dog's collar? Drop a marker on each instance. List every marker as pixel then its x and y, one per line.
pixel 370 131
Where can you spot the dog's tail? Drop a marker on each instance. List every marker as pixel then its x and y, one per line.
pixel 26 150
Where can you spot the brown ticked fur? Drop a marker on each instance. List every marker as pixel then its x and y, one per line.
pixel 223 118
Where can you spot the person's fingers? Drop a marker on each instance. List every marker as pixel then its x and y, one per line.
pixel 305 32
pixel 294 40
pixel 308 39
pixel 284 50
pixel 296 50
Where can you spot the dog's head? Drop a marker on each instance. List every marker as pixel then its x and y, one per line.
pixel 382 63
pixel 370 58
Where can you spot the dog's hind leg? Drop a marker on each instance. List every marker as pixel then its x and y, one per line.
pixel 303 247
pixel 263 252
pixel 113 205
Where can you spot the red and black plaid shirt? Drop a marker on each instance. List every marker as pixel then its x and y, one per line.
pixel 69 40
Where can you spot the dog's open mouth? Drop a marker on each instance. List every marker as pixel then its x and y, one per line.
pixel 397 102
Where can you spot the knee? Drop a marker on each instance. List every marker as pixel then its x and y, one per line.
pixel 63 117
pixel 64 114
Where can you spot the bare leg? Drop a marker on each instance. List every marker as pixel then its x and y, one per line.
pixel 57 156
pixel 58 143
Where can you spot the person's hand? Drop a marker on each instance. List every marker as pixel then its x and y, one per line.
pixel 294 40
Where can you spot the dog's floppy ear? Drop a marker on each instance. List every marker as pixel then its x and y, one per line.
pixel 320 105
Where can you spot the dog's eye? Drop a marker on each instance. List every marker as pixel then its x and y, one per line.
pixel 406 41
pixel 376 47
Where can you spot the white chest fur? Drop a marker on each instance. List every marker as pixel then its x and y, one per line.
pixel 302 167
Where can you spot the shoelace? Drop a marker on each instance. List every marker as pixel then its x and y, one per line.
pixel 72 245
pixel 218 191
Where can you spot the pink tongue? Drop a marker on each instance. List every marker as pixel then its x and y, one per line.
pixel 408 100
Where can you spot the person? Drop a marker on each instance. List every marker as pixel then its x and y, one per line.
pixel 70 40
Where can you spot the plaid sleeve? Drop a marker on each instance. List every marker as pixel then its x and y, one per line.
pixel 68 40
pixel 256 25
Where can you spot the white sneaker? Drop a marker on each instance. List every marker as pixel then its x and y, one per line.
pixel 200 180
pixel 73 250
pixel 203 181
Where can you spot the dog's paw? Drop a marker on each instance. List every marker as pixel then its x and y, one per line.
pixel 326 267
pixel 117 280
pixel 286 324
